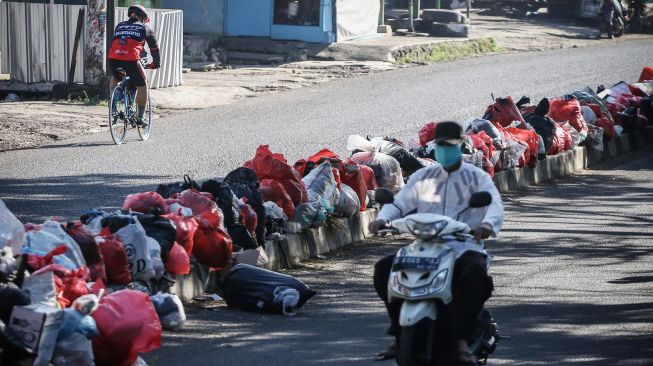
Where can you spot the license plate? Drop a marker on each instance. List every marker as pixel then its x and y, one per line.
pixel 415 263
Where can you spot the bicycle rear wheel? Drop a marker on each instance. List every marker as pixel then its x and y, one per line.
pixel 118 115
pixel 144 132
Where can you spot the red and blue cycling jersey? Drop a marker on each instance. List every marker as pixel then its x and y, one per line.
pixel 129 40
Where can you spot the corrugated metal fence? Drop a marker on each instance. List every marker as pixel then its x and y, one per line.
pixel 37 46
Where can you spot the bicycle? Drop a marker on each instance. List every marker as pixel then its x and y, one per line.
pixel 121 111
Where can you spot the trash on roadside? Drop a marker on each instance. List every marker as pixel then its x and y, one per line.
pixel 170 311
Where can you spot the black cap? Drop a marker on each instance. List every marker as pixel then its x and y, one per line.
pixel 448 133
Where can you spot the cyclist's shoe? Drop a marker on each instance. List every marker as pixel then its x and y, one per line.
pixel 140 122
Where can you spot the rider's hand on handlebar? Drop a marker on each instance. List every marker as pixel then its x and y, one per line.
pixel 482 231
pixel 377 225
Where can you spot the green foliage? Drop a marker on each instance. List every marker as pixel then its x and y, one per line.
pixel 448 51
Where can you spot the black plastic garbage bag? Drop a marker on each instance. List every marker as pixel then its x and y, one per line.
pixel 252 288
pixel 541 123
pixel 245 185
pixel 408 162
pixel 167 190
pixel 160 229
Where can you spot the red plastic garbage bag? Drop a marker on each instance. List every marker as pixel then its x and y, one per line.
pixel 370 178
pixel 37 262
pixel 274 166
pixel 351 175
pixel 300 166
pixel 197 201
pixel 273 190
pixel 178 261
pixel 568 109
pixel 531 138
pixel 128 325
pixel 324 154
pixel 89 247
pixel 647 74
pixel 248 218
pixel 212 246
pixel 482 141
pixel 144 202
pixel 186 227
pixel 603 121
pixel 427 133
pixel 526 155
pixel 116 263
pixel 504 112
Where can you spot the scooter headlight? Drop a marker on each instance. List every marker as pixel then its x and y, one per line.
pixel 439 281
pixel 423 230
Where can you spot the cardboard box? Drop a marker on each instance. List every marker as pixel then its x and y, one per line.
pixel 37 326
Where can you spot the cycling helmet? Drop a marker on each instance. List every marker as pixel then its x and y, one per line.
pixel 138 11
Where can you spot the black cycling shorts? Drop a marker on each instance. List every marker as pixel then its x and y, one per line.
pixel 134 70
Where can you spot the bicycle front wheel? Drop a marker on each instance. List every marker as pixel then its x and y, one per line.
pixel 118 115
pixel 144 131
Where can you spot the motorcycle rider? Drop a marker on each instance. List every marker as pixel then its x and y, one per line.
pixel 445 188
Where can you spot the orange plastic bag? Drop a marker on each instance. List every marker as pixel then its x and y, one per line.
pixel 178 261
pixel 351 175
pixel 504 112
pixel 128 325
pixel 186 228
pixel 197 201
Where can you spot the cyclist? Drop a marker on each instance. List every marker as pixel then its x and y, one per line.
pixel 125 53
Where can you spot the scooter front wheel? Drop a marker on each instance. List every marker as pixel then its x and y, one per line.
pixel 427 343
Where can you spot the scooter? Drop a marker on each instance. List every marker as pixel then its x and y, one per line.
pixel 421 276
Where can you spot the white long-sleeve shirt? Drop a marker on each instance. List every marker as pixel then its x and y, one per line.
pixel 434 190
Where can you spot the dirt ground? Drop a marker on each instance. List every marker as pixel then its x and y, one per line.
pixel 27 124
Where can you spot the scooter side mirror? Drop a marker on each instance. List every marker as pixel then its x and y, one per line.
pixel 384 195
pixel 480 199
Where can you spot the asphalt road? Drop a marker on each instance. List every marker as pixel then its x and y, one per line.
pixel 66 178
pixel 573 271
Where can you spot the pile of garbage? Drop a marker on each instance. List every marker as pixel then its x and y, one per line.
pixel 97 289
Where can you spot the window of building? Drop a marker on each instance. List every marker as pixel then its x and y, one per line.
pixel 297 12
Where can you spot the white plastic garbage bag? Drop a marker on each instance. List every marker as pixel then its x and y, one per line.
pixel 588 114
pixel 49 236
pixel 321 186
pixel 576 137
pixel 348 203
pixel 170 311
pixel 287 298
pixel 136 246
pixel 274 211
pixel 12 232
pixel 513 152
pixel 154 249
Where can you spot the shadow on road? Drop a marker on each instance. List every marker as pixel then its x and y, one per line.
pixel 571 333
pixel 66 197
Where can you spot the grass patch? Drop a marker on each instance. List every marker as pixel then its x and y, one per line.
pixel 446 51
pixel 93 100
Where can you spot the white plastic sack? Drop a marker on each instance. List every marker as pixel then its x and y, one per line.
pixel 588 114
pixel 618 130
pixel 74 349
pixel 12 232
pixel 595 137
pixel 357 142
pixel 387 170
pixel 154 248
pixel 512 153
pixel 50 236
pixel 274 211
pixel 170 311
pixel 348 203
pixel 321 186
pixel 136 246
pixel 576 137
pixel 477 125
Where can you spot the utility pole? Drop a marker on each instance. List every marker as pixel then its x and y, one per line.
pixel 94 48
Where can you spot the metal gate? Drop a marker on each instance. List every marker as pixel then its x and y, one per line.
pixel 37 42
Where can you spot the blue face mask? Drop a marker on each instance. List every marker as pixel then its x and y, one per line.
pixel 448 156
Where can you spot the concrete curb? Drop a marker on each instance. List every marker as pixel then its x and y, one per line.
pixel 314 242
